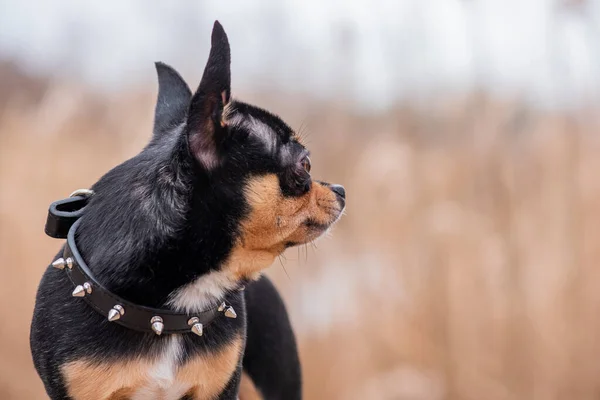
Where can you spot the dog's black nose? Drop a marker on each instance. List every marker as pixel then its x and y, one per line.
pixel 339 190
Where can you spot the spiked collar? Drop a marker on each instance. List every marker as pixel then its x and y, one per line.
pixel 62 222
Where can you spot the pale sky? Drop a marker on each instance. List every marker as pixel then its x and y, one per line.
pixel 372 53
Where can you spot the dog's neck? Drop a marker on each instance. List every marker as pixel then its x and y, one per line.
pixel 163 278
pixel 204 292
pixel 155 243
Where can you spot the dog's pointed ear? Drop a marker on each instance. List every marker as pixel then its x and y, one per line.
pixel 173 99
pixel 206 123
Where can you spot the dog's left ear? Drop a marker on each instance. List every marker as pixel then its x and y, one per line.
pixel 206 126
pixel 173 99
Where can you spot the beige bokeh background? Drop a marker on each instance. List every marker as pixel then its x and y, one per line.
pixel 465 268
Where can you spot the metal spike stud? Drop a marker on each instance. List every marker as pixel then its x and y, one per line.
pixel 81 290
pixel 222 307
pixel 69 262
pixel 60 263
pixel 197 327
pixel 116 312
pixel 113 315
pixel 157 324
pixel 230 312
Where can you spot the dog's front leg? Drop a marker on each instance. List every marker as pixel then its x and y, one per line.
pixel 232 390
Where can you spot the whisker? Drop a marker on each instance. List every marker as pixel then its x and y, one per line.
pixel 283 266
pixel 303 133
pixel 305 253
pixel 313 246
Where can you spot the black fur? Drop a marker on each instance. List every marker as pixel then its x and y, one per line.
pixel 271 343
pixel 168 216
pixel 173 99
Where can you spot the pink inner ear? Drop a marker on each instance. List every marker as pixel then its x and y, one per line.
pixel 223 99
pixel 203 147
pixel 208 159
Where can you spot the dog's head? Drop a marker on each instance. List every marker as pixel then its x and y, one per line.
pixel 248 163
pixel 223 186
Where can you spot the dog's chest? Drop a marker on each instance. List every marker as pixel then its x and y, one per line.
pixel 162 382
pixel 164 377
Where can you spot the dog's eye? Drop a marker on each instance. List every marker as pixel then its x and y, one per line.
pixel 305 162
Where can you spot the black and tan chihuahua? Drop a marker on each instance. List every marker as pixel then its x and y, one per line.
pixel 220 191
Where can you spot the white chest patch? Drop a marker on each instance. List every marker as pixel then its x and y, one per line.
pixel 203 293
pixel 199 295
pixel 161 382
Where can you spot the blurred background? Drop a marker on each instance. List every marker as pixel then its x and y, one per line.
pixel 465 132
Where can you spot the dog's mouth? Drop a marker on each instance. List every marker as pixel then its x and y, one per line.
pixel 315 226
pixel 315 229
pixel 312 231
pixel 319 214
pixel 334 213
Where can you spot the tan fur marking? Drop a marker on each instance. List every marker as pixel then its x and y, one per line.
pixel 208 374
pixel 211 372
pixel 247 389
pixel 122 394
pixel 276 220
pixel 91 381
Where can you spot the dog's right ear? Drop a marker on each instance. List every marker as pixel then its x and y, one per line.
pixel 206 123
pixel 174 97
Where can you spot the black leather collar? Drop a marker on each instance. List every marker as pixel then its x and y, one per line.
pixel 62 222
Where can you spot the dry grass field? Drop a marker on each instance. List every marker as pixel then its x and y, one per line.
pixel 466 266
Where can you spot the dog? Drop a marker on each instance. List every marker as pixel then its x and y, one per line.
pixel 222 189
